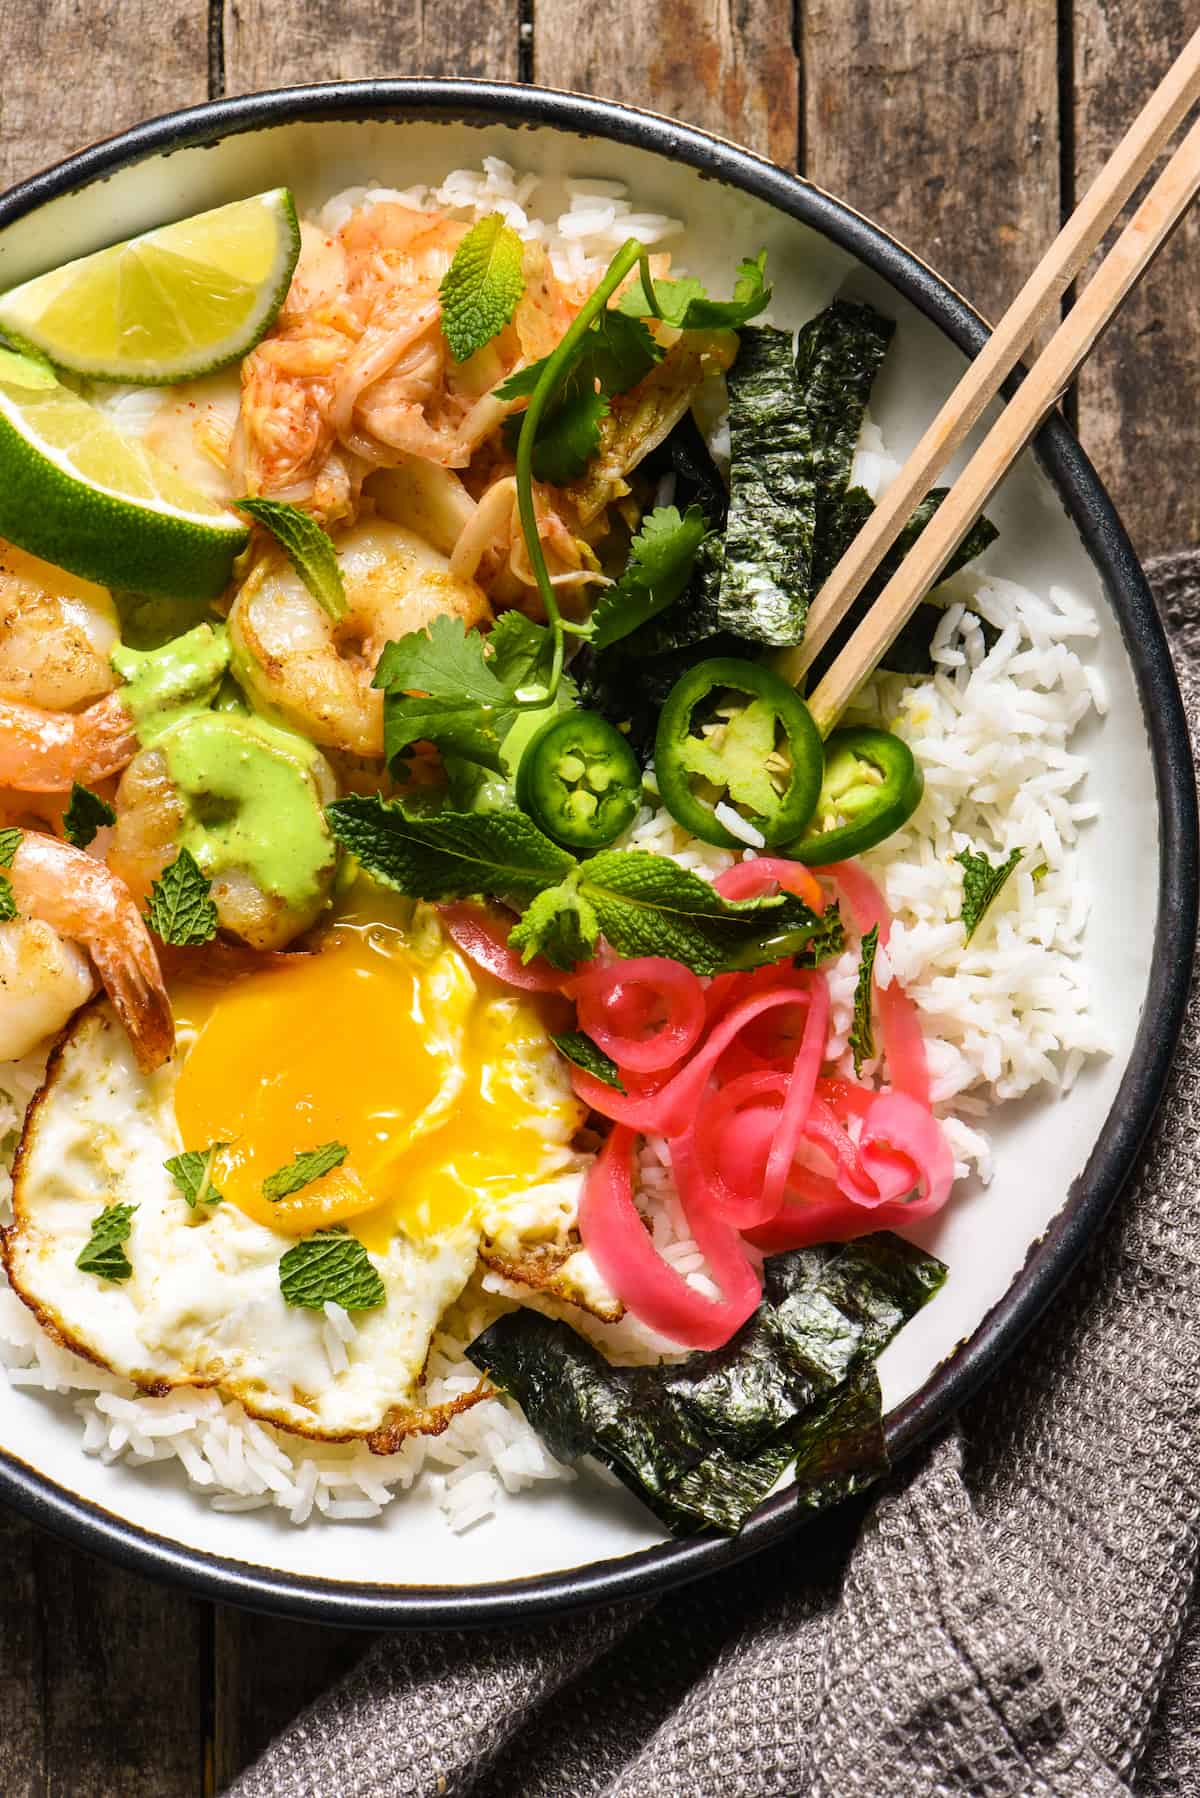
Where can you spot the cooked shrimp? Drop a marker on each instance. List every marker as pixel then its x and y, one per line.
pixel 56 634
pixel 43 981
pixel 152 814
pixel 80 899
pixel 45 752
pixel 314 675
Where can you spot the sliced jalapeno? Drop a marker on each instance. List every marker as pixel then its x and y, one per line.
pixel 871 786
pixel 579 780
pixel 733 731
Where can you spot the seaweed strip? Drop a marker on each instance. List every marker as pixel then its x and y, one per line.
pixel 703 1440
pixel 838 355
pixel 766 573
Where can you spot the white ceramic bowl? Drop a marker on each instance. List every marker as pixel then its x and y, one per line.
pixel 1059 1163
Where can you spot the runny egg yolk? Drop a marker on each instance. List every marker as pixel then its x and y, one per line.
pixel 426 1071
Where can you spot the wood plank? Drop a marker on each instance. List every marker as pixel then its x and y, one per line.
pixel 1141 391
pixel 269 43
pixel 942 127
pixel 267 1671
pixel 727 65
pixel 22 1733
pixel 126 1681
pixel 67 69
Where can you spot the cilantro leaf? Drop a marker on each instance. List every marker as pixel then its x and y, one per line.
pixel 103 1254
pixel 440 687
pixel 661 559
pixel 309 550
pixel 480 289
pixel 520 652
pixel 685 302
pixel 576 1047
pixel 192 1174
pixel 181 910
pixel 862 1034
pixel 448 855
pixel 303 1169
pixel 613 355
pixel 85 815
pixel 981 882
pixel 330 1267
pixel 560 923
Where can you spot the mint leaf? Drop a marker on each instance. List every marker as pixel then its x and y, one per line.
pixel 862 1034
pixel 441 688
pixel 192 1174
pixel 560 923
pixel 303 1169
pixel 180 909
pixel 661 559
pixel 309 550
pixel 103 1254
pixel 685 302
pixel 613 355
pixel 85 815
pixel 330 1267
pixel 480 289
pixel 10 842
pixel 8 902
pixel 577 1047
pixel 826 941
pixel 981 883
pixel 448 855
pixel 647 905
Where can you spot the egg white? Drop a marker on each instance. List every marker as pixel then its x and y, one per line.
pixel 203 1306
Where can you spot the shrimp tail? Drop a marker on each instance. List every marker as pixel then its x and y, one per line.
pixel 134 983
pixel 46 752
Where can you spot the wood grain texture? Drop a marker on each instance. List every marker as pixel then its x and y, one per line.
pixel 727 65
pixel 266 1671
pixel 125 1681
pixel 1139 396
pixel 22 1716
pixel 943 126
pixel 269 43
pixel 67 72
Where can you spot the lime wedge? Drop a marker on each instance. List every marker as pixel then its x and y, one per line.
pixel 169 305
pixel 76 492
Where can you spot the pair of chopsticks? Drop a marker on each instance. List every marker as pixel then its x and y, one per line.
pixel 1038 394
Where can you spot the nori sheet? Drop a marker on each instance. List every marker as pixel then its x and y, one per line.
pixel 766 567
pixel 838 355
pixel 702 1441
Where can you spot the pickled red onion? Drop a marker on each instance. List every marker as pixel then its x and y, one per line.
pixel 899 1025
pixel 751 880
pixel 481 935
pixel 613 1001
pixel 626 1258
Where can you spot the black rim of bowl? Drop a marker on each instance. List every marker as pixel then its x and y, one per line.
pixel 1093 1191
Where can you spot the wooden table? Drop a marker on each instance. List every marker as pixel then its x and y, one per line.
pixel 968 131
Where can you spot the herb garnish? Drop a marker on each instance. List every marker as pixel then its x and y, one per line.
pixel 330 1268
pixel 610 357
pixel 181 910
pixel 661 559
pixel 192 1174
pixel 463 706
pixel 643 904
pixel 685 304
pixel 981 883
pixel 480 289
pixel 104 1254
pixel 862 1033
pixel 578 1048
pixel 85 815
pixel 309 550
pixel 305 1167
pixel 10 842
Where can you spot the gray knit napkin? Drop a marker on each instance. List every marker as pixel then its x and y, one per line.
pixel 1011 1620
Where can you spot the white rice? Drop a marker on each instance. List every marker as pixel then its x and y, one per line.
pixel 1006 1015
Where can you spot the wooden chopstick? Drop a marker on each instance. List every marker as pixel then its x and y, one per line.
pixel 1051 374
pixel 1040 297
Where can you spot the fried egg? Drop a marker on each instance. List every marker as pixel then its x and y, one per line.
pixel 458 1119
